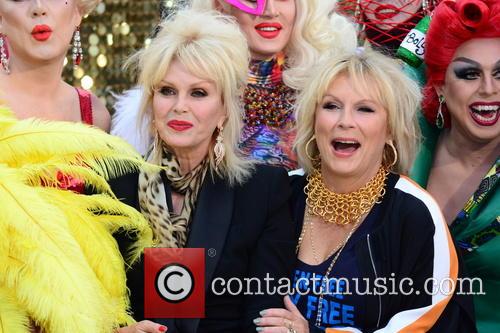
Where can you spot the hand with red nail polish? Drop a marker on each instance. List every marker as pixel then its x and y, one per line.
pixel 145 326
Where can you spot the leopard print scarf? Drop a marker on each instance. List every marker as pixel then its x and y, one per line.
pixel 170 230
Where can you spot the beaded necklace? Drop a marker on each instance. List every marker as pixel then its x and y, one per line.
pixel 268 101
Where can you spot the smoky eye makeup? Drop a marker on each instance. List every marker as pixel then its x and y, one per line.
pixel 496 71
pixel 466 72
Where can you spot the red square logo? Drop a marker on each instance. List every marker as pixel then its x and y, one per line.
pixel 174 283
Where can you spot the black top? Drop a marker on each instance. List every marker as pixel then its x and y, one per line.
pixel 249 227
pixel 343 306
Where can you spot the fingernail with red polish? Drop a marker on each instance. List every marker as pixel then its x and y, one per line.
pixel 162 329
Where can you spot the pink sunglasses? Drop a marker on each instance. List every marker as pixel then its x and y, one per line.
pixel 258 10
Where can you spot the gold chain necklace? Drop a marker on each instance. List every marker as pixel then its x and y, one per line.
pixel 342 208
pixel 311 240
pixel 324 282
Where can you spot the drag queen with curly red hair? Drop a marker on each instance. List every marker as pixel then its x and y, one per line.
pixel 459 163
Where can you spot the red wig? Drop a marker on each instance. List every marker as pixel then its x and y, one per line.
pixel 453 23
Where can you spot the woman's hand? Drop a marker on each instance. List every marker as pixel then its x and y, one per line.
pixel 288 320
pixel 144 326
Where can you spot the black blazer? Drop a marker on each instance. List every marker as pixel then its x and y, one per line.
pixel 251 230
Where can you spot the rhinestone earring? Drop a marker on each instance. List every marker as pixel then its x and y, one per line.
pixel 77 48
pixel 4 54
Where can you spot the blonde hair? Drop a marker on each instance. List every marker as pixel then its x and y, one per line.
pixel 370 71
pixel 211 46
pixel 317 30
pixel 86 6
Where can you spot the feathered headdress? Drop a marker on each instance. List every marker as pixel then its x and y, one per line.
pixel 60 266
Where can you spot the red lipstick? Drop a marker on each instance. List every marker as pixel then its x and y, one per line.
pixel 41 32
pixel 386 12
pixel 485 114
pixel 269 30
pixel 179 125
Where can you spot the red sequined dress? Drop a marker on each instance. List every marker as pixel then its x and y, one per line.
pixel 65 181
pixel 269 125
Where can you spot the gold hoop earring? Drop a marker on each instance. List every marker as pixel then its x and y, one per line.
pixel 394 153
pixel 315 159
pixel 219 148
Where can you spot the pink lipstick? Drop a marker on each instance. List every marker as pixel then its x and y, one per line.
pixel 179 125
pixel 345 147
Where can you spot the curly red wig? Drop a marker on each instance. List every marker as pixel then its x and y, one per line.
pixel 453 23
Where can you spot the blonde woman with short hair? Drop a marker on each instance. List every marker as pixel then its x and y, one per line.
pixel 363 226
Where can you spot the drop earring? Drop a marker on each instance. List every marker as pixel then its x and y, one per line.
pixel 219 149
pixel 77 48
pixel 4 54
pixel 439 115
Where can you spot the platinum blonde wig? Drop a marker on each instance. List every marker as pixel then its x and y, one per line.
pixel 86 6
pixel 318 29
pixel 211 46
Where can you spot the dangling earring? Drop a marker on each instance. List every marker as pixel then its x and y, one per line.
pixel 394 153
pixel 156 140
pixel 439 116
pixel 4 56
pixel 219 148
pixel 77 48
pixel 315 159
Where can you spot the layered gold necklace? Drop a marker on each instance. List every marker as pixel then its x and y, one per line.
pixel 342 208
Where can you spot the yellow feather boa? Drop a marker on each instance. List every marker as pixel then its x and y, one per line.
pixel 60 266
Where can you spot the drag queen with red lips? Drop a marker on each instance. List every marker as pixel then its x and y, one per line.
pixel 394 10
pixel 459 163
pixel 285 37
pixel 385 23
pixel 34 39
